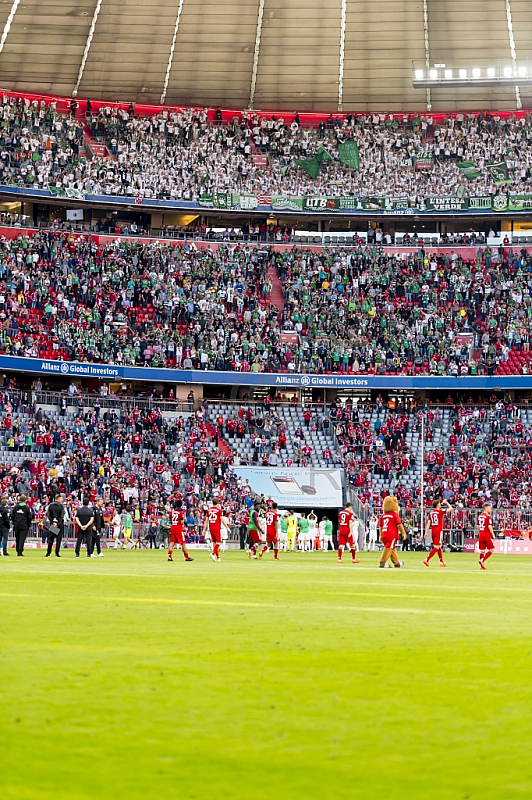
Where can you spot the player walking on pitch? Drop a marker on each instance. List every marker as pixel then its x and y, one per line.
pixel 255 533
pixel 272 530
pixel 177 531
pixel 213 520
pixel 485 535
pixel 346 538
pixel 390 526
pixel 435 525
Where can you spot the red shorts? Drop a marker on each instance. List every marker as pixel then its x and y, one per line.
pixel 389 540
pixel 255 537
pixel 436 539
pixel 271 538
pixel 216 537
pixel 486 543
pixel 177 536
pixel 345 539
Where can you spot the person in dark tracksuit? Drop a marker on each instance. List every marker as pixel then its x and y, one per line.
pixel 85 521
pixel 21 517
pixel 98 527
pixel 5 525
pixel 55 516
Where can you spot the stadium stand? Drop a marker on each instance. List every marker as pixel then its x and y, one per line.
pixel 183 153
pixel 231 309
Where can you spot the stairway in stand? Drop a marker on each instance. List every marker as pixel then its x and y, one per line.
pixel 277 296
pixel 222 446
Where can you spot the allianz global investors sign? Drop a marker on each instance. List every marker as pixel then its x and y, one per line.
pixel 92 370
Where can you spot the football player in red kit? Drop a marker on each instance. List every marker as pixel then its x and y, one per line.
pixel 390 526
pixel 346 538
pixel 177 531
pixel 213 519
pixel 272 530
pixel 435 526
pixel 485 535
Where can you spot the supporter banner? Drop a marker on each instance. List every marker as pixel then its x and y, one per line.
pixel 321 203
pixel 296 487
pixel 221 199
pixel 348 154
pixel 480 203
pixel 205 200
pixel 423 160
pixel 499 173
pixel 468 170
pixel 284 203
pixel 446 203
pixel 315 203
pixel 283 382
pixel 396 204
pixel 247 202
pixel 519 202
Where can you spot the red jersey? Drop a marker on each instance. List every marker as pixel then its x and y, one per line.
pixel 272 518
pixel 214 515
pixel 484 521
pixel 436 520
pixel 344 519
pixel 176 517
pixel 389 523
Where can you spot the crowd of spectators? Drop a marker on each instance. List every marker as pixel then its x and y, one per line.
pixel 345 311
pixel 179 154
pixel 365 311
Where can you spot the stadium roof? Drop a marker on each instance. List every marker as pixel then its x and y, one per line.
pixel 269 54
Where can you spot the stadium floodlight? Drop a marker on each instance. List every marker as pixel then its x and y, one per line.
pixel 433 74
pixel 448 74
pixel 475 72
pixel 522 71
pixel 462 73
pixel 419 74
pixel 508 72
pixel 491 72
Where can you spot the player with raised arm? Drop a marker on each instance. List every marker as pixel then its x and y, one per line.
pixel 177 531
pixel 435 526
pixel 213 521
pixel 255 533
pixel 346 538
pixel 272 530
pixel 390 526
pixel 485 535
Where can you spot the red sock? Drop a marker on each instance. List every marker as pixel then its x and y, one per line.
pixel 340 551
pixel 432 553
pixel 353 554
pixel 265 548
pixel 487 555
pixel 253 550
pixel 440 554
pixel 169 554
pixel 215 549
pixel 275 553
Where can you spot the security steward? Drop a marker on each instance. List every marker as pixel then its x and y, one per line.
pixel 55 528
pixel 21 517
pixel 85 521
pixel 98 527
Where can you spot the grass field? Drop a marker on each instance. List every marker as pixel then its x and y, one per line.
pixel 133 678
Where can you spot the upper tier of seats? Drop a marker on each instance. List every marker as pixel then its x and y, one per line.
pixel 183 153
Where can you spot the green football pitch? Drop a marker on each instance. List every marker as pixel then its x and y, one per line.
pixel 130 677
